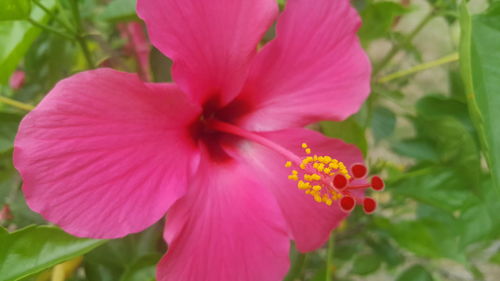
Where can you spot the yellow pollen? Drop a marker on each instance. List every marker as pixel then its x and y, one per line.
pixel 316 176
pixel 321 167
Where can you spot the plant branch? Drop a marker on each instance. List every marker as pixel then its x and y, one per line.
pixel 16 104
pixel 417 68
pixel 53 15
pixel 50 29
pixel 329 258
pixel 80 39
pixel 297 267
pixel 396 48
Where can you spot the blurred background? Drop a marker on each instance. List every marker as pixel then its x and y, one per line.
pixel 428 128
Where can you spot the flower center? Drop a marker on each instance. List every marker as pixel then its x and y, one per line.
pixel 323 177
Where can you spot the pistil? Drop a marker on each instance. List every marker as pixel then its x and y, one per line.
pixel 323 177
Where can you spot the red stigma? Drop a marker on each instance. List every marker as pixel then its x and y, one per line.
pixel 359 171
pixel 369 205
pixel 347 203
pixel 340 182
pixel 377 183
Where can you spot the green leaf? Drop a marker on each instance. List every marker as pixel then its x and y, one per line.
pixel 434 235
pixel 439 106
pixel 495 258
pixel 415 273
pixel 35 248
pixel 8 129
pixel 144 269
pixel 386 251
pixel 476 224
pixel 419 149
pixel 480 66
pixel 438 187
pixel 383 123
pixel 15 9
pixel 16 38
pixel 120 10
pixel 112 260
pixel 455 144
pixel 378 18
pixel 365 264
pixel 349 131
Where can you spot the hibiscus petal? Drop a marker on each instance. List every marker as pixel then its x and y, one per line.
pixel 309 222
pixel 210 42
pixel 314 70
pixel 228 227
pixel 104 154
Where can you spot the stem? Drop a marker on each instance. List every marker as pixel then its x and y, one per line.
pixel 85 49
pixel 396 48
pixel 234 130
pixel 297 267
pixel 421 67
pixel 17 104
pixel 329 258
pixel 53 15
pixel 50 29
pixel 80 39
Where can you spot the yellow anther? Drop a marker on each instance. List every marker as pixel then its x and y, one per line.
pixel 333 165
pixel 316 183
pixel 300 184
pixel 321 167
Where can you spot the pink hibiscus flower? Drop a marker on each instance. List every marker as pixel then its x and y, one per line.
pixel 105 154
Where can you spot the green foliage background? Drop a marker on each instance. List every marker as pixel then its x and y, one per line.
pixel 430 131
